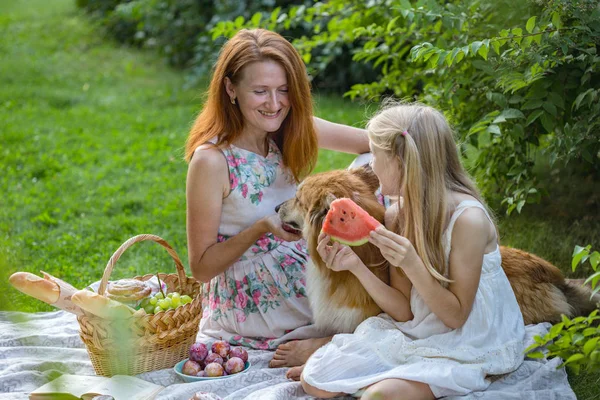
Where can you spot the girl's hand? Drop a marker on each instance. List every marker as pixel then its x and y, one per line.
pixel 273 225
pixel 397 249
pixel 337 257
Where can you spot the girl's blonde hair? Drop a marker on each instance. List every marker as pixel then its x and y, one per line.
pixel 419 138
pixel 296 138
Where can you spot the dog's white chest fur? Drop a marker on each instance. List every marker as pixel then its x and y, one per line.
pixel 328 317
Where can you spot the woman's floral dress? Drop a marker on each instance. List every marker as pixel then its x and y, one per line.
pixel 260 301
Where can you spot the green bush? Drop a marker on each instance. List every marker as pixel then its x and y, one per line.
pixel 180 31
pixel 577 340
pixel 520 80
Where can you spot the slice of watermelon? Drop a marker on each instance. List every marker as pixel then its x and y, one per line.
pixel 347 223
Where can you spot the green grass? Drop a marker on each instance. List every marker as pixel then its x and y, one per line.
pixel 92 148
pixel 92 137
pixel 92 145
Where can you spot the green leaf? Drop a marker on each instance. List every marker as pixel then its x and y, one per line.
pixel 557 100
pixel 455 53
pixel 497 98
pixel 533 116
pixel 496 46
pixel 433 61
pixel 255 20
pixel 590 345
pixel 239 21
pixel 589 332
pixel 556 20
pixel 475 46
pixel 577 337
pixel 593 277
pixel 392 24
pixel 556 329
pixel 547 122
pixel 532 104
pixel 536 354
pixel 574 357
pixel 512 113
pixel 520 205
pixel 551 108
pixel 494 129
pixel 483 51
pixel 275 14
pixel 580 97
pixel 578 253
pixel 595 260
pixel 530 24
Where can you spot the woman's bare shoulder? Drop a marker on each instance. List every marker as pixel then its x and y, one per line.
pixel 208 167
pixel 209 158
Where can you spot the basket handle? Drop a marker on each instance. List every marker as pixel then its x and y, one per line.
pixel 129 243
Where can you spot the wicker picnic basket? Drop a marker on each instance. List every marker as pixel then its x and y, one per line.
pixel 143 342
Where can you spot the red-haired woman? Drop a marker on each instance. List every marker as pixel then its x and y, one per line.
pixel 253 141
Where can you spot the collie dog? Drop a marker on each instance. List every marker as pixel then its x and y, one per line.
pixel 339 301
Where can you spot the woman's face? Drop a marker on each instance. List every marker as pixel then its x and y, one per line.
pixel 262 95
pixel 386 168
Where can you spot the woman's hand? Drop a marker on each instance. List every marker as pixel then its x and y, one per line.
pixel 274 225
pixel 397 249
pixel 337 257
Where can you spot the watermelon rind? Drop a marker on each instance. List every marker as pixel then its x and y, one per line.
pixel 342 241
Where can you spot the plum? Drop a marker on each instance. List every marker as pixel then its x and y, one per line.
pixel 234 365
pixel 191 368
pixel 214 369
pixel 238 352
pixel 201 374
pixel 221 347
pixel 213 358
pixel 198 352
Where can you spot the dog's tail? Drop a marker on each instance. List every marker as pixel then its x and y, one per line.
pixel 541 289
pixel 579 297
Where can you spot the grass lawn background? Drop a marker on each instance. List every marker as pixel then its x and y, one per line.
pixel 91 150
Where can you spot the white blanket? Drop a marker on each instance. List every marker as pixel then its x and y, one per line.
pixel 34 347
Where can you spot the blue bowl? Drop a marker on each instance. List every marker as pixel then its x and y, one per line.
pixel 189 378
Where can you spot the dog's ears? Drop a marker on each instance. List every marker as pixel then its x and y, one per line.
pixel 366 174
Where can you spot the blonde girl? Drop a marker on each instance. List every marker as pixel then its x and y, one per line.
pixel 450 316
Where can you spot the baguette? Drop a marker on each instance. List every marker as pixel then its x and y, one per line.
pixel 48 289
pixel 35 286
pixel 101 306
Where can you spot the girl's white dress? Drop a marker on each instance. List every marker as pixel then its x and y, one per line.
pixel 450 361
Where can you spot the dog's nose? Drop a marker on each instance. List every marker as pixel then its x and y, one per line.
pixel 278 207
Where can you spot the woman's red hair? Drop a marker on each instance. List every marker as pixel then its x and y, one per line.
pixel 296 138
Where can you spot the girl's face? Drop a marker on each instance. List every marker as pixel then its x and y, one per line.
pixel 262 95
pixel 386 168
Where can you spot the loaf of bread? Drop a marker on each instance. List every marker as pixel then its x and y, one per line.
pixel 35 286
pixel 128 291
pixel 101 306
pixel 48 289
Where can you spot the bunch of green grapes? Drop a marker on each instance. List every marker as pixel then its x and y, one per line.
pixel 159 303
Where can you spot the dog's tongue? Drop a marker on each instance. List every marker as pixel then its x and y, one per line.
pixel 288 228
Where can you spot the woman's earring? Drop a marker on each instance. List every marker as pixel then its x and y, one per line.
pixel 233 100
